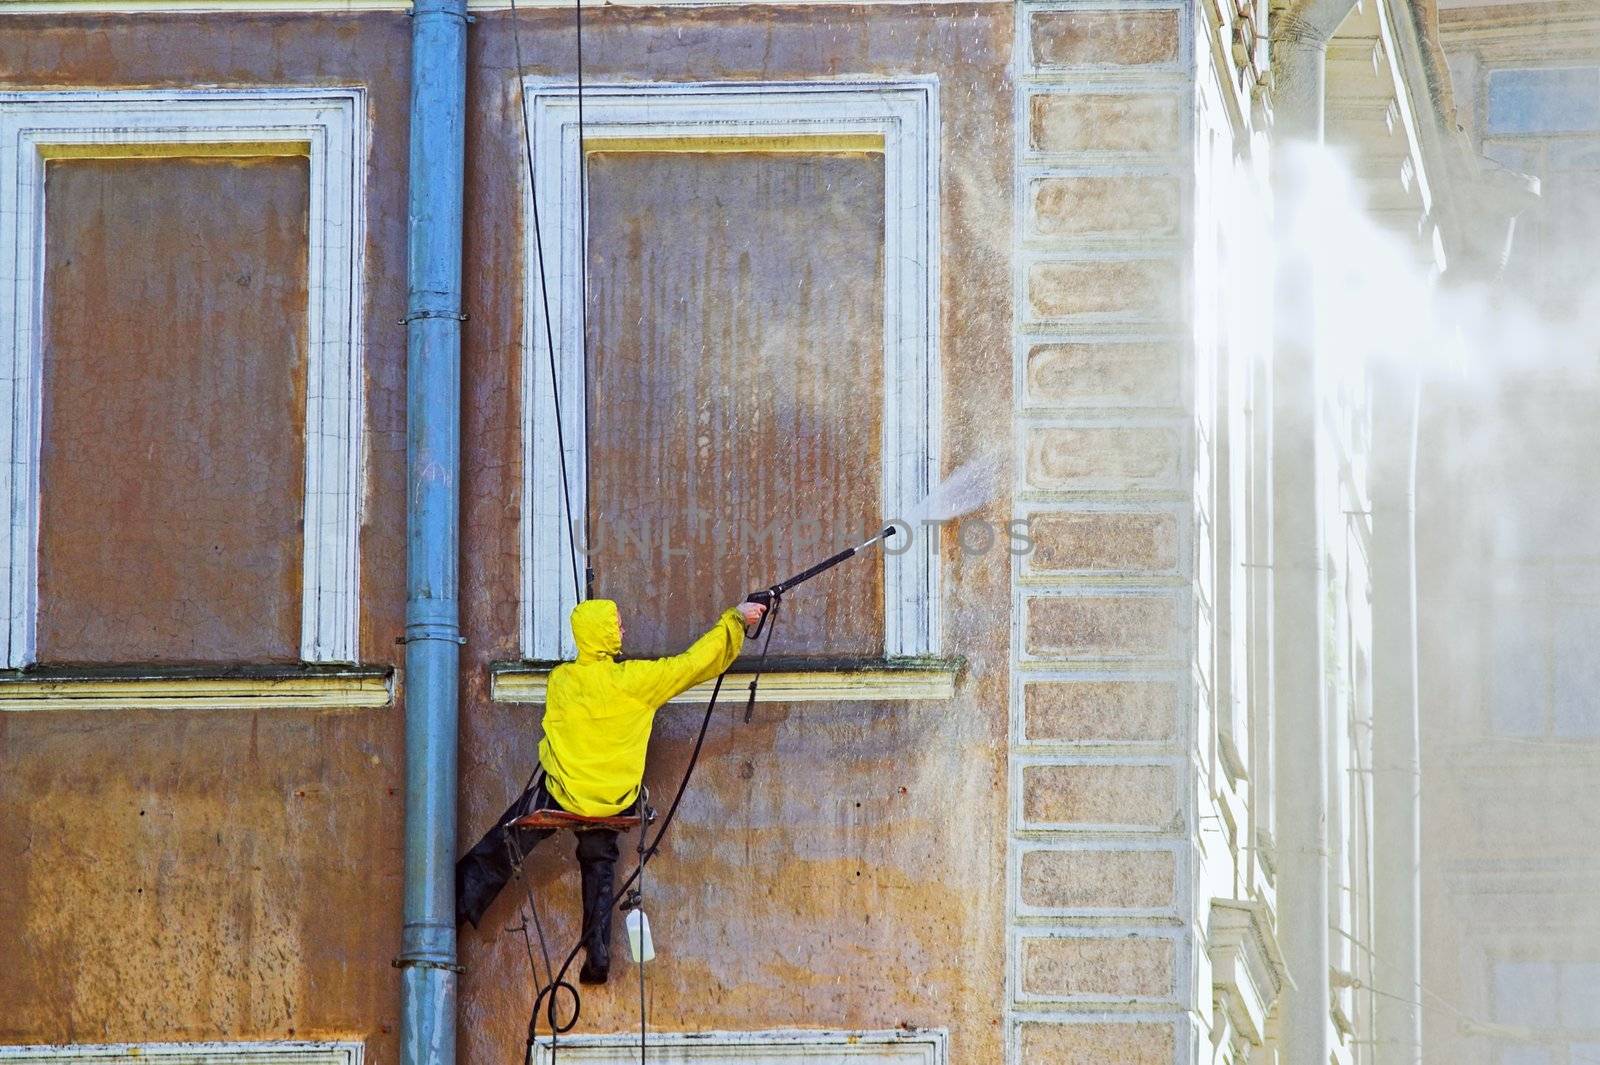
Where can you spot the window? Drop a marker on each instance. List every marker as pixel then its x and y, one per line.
pixel 1548 100
pixel 1544 667
pixel 1553 1002
pixel 900 1047
pixel 123 323
pixel 760 386
pixel 1545 122
pixel 1519 684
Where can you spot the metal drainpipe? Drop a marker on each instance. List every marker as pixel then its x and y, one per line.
pixel 433 463
pixel 1300 35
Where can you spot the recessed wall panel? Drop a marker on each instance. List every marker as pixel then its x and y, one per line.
pixel 736 389
pixel 173 455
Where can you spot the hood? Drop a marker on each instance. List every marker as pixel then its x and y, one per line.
pixel 597 630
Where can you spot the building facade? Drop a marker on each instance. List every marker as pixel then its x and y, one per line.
pixel 1512 958
pixel 1108 790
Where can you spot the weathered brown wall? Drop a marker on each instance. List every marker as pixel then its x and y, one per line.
pixel 228 874
pixel 173 452
pixel 835 865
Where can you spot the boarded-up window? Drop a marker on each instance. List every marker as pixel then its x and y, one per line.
pixel 735 389
pixel 173 456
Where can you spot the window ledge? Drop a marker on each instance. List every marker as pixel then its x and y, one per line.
pixel 195 688
pixel 784 681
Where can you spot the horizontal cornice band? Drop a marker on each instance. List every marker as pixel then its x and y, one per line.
pixel 69 7
pixel 159 690
pixel 517 683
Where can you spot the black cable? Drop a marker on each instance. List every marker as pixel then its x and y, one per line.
pixel 553 986
pixel 761 662
pixel 583 282
pixel 640 960
pixel 645 854
pixel 560 981
pixel 583 196
pixel 544 293
pixel 514 849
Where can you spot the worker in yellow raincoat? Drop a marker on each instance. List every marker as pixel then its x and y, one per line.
pixel 597 718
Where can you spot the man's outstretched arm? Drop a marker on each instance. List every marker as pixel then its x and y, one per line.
pixel 660 679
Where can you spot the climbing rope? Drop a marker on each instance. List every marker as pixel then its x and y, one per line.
pixel 514 848
pixel 546 1000
pixel 544 286
pixel 638 904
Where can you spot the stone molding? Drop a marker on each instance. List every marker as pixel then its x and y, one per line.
pixel 1247 969
pixel 199 690
pixel 271 1052
pixel 899 1047
pixel 901 114
pixel 525 683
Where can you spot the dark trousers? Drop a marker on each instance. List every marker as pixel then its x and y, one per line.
pixel 491 863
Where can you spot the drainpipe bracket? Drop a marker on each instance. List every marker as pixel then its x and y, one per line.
pixel 419 315
pixel 460 641
pixel 411 12
pixel 409 962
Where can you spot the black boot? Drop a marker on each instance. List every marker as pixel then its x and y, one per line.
pixel 597 861
pixel 596 966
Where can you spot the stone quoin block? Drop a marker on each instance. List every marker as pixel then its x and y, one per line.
pixel 1130 289
pixel 1103 206
pixel 1109 457
pixel 1099 880
pixel 1114 711
pixel 1100 795
pixel 1092 967
pixel 1107 374
pixel 1049 1043
pixel 1104 38
pixel 1135 123
pixel 1104 626
pixel 1104 541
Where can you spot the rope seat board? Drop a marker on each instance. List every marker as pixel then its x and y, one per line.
pixel 549 818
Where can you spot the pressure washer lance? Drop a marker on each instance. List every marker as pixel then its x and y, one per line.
pixel 772 598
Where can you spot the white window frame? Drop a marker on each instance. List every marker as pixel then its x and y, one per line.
pixel 331 124
pixel 904 113
pixel 213 1053
pixel 781 1047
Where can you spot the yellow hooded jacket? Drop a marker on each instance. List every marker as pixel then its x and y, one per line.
pixel 598 711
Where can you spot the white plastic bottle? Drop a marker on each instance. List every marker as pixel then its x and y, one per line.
pixel 640 946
